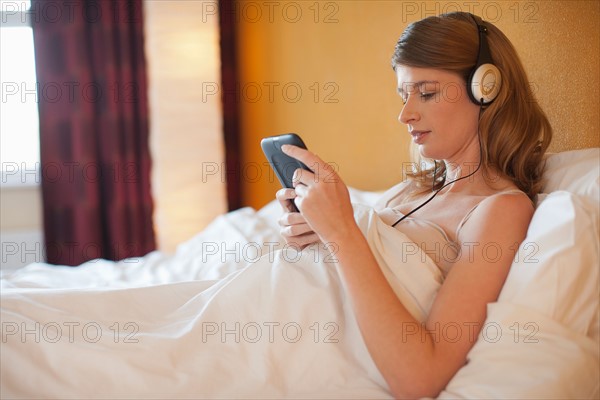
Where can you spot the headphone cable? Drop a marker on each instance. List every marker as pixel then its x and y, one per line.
pixel 446 184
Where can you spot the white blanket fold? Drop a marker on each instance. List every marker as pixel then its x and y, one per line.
pixel 214 326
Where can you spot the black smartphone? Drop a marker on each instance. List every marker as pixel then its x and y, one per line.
pixel 283 165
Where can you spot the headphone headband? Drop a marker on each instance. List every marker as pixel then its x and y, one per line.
pixel 483 56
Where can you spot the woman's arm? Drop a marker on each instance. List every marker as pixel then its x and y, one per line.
pixel 416 360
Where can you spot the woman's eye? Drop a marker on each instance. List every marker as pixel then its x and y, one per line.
pixel 422 95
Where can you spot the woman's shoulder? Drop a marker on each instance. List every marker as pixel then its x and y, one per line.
pixel 508 197
pixel 509 194
pixel 505 207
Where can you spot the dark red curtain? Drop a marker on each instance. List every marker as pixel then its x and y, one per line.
pixel 229 86
pixel 95 160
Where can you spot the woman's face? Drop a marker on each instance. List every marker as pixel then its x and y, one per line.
pixel 440 117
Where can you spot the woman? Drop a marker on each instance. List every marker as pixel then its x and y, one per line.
pixel 478 196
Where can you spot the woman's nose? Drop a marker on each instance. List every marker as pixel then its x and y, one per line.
pixel 409 112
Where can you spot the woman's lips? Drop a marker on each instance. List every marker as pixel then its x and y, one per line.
pixel 418 136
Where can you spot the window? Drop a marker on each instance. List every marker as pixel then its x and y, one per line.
pixel 19 119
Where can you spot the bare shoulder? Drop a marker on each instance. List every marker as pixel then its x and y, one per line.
pixel 503 214
pixel 514 203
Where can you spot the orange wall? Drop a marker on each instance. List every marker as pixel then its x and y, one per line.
pixel 322 69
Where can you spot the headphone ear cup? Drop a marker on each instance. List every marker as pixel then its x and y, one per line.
pixel 484 84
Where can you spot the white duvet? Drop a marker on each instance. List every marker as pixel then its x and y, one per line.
pixel 236 314
pixel 233 314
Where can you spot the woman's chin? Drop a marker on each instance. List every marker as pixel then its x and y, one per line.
pixel 428 153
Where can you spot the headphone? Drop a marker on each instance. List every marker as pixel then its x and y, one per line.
pixel 485 79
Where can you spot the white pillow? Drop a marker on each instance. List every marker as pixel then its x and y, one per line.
pixel 576 171
pixel 556 271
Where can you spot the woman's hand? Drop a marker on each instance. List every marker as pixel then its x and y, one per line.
pixel 294 228
pixel 321 196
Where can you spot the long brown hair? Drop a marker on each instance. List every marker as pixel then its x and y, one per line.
pixel 515 132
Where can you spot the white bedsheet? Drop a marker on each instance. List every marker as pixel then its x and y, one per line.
pixel 215 321
pixel 203 323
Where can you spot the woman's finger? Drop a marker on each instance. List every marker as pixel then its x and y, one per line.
pixel 303 155
pixel 296 230
pixel 285 197
pixel 303 240
pixel 316 165
pixel 285 194
pixel 291 218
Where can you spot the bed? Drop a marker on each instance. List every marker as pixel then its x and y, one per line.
pixel 235 313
